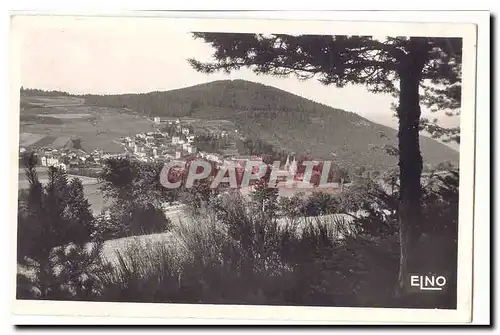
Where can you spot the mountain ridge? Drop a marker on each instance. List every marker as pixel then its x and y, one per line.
pixel 284 119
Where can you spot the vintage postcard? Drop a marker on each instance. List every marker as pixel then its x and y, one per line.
pixel 316 171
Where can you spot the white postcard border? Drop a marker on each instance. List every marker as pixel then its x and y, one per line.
pixel 339 314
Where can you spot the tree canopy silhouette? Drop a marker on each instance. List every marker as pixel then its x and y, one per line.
pixel 416 70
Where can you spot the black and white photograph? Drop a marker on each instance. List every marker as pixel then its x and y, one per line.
pixel 227 164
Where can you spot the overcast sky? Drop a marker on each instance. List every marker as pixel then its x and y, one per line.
pixel 80 59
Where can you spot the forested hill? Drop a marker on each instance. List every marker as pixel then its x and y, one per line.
pixel 283 119
pixel 233 95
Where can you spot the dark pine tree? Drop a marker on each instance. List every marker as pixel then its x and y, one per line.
pixel 397 65
pixel 138 197
pixel 79 213
pixel 54 226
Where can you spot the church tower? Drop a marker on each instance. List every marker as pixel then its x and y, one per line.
pixel 293 167
pixel 287 163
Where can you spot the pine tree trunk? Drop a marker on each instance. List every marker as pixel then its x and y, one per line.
pixel 410 165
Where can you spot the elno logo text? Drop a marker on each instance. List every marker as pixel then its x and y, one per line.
pixel 428 282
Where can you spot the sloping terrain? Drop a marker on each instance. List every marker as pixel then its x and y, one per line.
pixel 285 120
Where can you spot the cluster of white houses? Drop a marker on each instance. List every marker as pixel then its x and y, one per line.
pixel 177 144
pixel 171 144
pixel 71 158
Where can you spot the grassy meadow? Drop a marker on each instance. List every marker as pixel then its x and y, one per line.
pixel 44 119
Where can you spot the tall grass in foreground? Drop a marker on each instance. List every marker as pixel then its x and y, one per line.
pixel 142 273
pixel 232 256
pixel 315 262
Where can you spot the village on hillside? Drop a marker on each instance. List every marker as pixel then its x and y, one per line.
pixel 173 140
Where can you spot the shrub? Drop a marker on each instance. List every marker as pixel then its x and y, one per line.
pixel 138 198
pixel 120 221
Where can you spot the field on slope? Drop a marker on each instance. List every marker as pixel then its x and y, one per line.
pixel 55 120
pixel 283 119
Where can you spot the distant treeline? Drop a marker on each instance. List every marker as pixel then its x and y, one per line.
pixel 37 92
pixel 237 95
